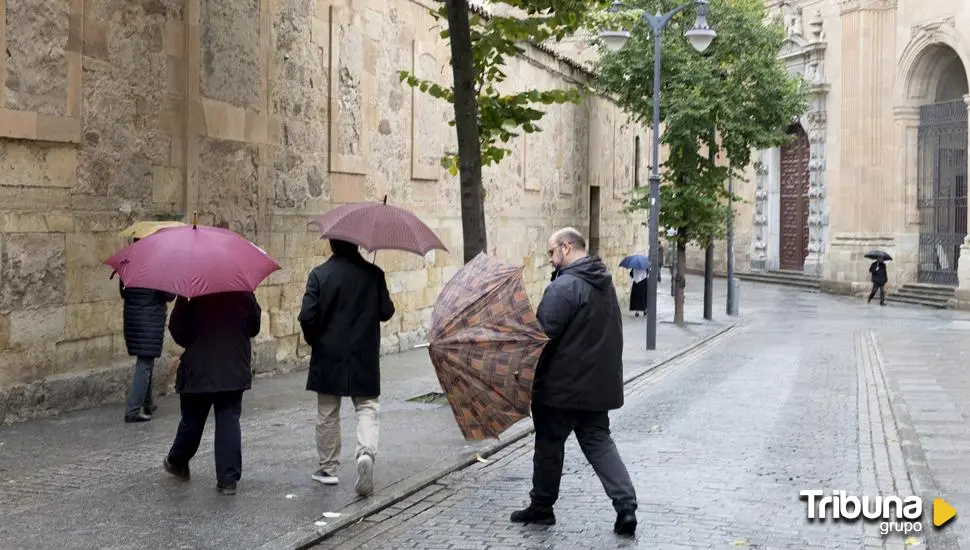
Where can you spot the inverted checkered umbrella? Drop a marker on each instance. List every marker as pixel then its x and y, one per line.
pixel 485 343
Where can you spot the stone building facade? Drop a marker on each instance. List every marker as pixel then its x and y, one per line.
pixel 256 114
pixel 880 156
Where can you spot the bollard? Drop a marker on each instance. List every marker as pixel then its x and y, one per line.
pixel 737 298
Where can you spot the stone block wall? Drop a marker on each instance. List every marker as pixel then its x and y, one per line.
pixel 256 114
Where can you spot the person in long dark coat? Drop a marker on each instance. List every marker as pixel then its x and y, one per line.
pixel 879 279
pixel 346 301
pixel 145 311
pixel 638 293
pixel 215 369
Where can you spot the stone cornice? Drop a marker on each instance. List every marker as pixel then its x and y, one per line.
pixel 907 112
pixel 849 6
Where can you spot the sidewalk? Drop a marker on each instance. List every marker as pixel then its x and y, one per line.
pixel 86 480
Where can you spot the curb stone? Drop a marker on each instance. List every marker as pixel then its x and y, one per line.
pixel 309 535
pixel 920 477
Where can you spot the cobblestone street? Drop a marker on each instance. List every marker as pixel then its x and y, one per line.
pixel 720 442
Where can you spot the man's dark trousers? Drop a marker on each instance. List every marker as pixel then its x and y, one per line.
pixel 592 428
pixel 881 289
pixel 228 439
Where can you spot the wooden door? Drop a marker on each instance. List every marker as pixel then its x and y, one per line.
pixel 794 201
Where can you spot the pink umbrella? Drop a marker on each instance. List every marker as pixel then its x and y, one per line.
pixel 193 261
pixel 379 226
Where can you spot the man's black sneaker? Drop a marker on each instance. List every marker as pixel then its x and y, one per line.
pixel 626 523
pixel 179 472
pixel 531 515
pixel 227 488
pixel 137 417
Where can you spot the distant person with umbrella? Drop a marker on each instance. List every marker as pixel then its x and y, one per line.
pixel 639 266
pixel 346 301
pixel 579 379
pixel 879 275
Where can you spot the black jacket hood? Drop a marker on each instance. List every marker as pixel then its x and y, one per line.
pixel 590 269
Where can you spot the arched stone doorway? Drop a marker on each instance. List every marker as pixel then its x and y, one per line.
pixel 939 82
pixel 794 200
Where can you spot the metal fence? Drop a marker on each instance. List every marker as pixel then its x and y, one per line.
pixel 942 190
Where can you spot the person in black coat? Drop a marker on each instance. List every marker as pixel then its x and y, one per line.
pixel 879 279
pixel 214 371
pixel 346 301
pixel 639 297
pixel 578 381
pixel 145 312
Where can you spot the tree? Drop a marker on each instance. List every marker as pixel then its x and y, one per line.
pixel 738 86
pixel 485 118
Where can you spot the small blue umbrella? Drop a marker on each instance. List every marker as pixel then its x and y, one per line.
pixel 636 261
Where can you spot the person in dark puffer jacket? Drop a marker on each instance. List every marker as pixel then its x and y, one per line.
pixel 145 315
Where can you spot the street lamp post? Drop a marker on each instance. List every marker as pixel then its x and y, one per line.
pixel 700 37
pixel 731 299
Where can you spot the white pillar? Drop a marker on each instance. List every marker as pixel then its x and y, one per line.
pixel 906 214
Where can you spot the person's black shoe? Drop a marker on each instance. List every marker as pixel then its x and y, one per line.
pixel 882 303
pixel 137 417
pixel 226 488
pixel 626 523
pixel 182 473
pixel 531 515
pixel 150 409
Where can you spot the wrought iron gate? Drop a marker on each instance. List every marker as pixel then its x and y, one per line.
pixel 942 190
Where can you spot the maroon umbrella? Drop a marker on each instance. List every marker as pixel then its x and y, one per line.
pixel 193 261
pixel 379 226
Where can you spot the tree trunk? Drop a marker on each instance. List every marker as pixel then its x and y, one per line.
pixel 466 125
pixel 681 282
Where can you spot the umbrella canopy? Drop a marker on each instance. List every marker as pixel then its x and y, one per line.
pixel 140 230
pixel 878 255
pixel 485 343
pixel 379 226
pixel 193 261
pixel 635 261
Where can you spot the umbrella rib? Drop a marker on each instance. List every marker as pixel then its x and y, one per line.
pixel 484 298
pixel 471 381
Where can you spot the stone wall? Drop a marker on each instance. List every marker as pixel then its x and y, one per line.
pixel 256 115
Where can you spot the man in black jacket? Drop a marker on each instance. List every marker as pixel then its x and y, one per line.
pixel 578 381
pixel 214 371
pixel 346 301
pixel 145 311
pixel 879 280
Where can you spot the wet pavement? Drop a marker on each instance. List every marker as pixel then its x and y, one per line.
pixel 87 480
pixel 811 392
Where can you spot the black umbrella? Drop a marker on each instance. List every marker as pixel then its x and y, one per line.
pixel 879 255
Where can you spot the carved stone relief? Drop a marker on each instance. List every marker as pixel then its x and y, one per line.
pixel 426 150
pixel 351 92
pixel 803 53
pixel 792 19
pixel 759 244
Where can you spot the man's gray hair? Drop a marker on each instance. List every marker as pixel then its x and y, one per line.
pixel 570 235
